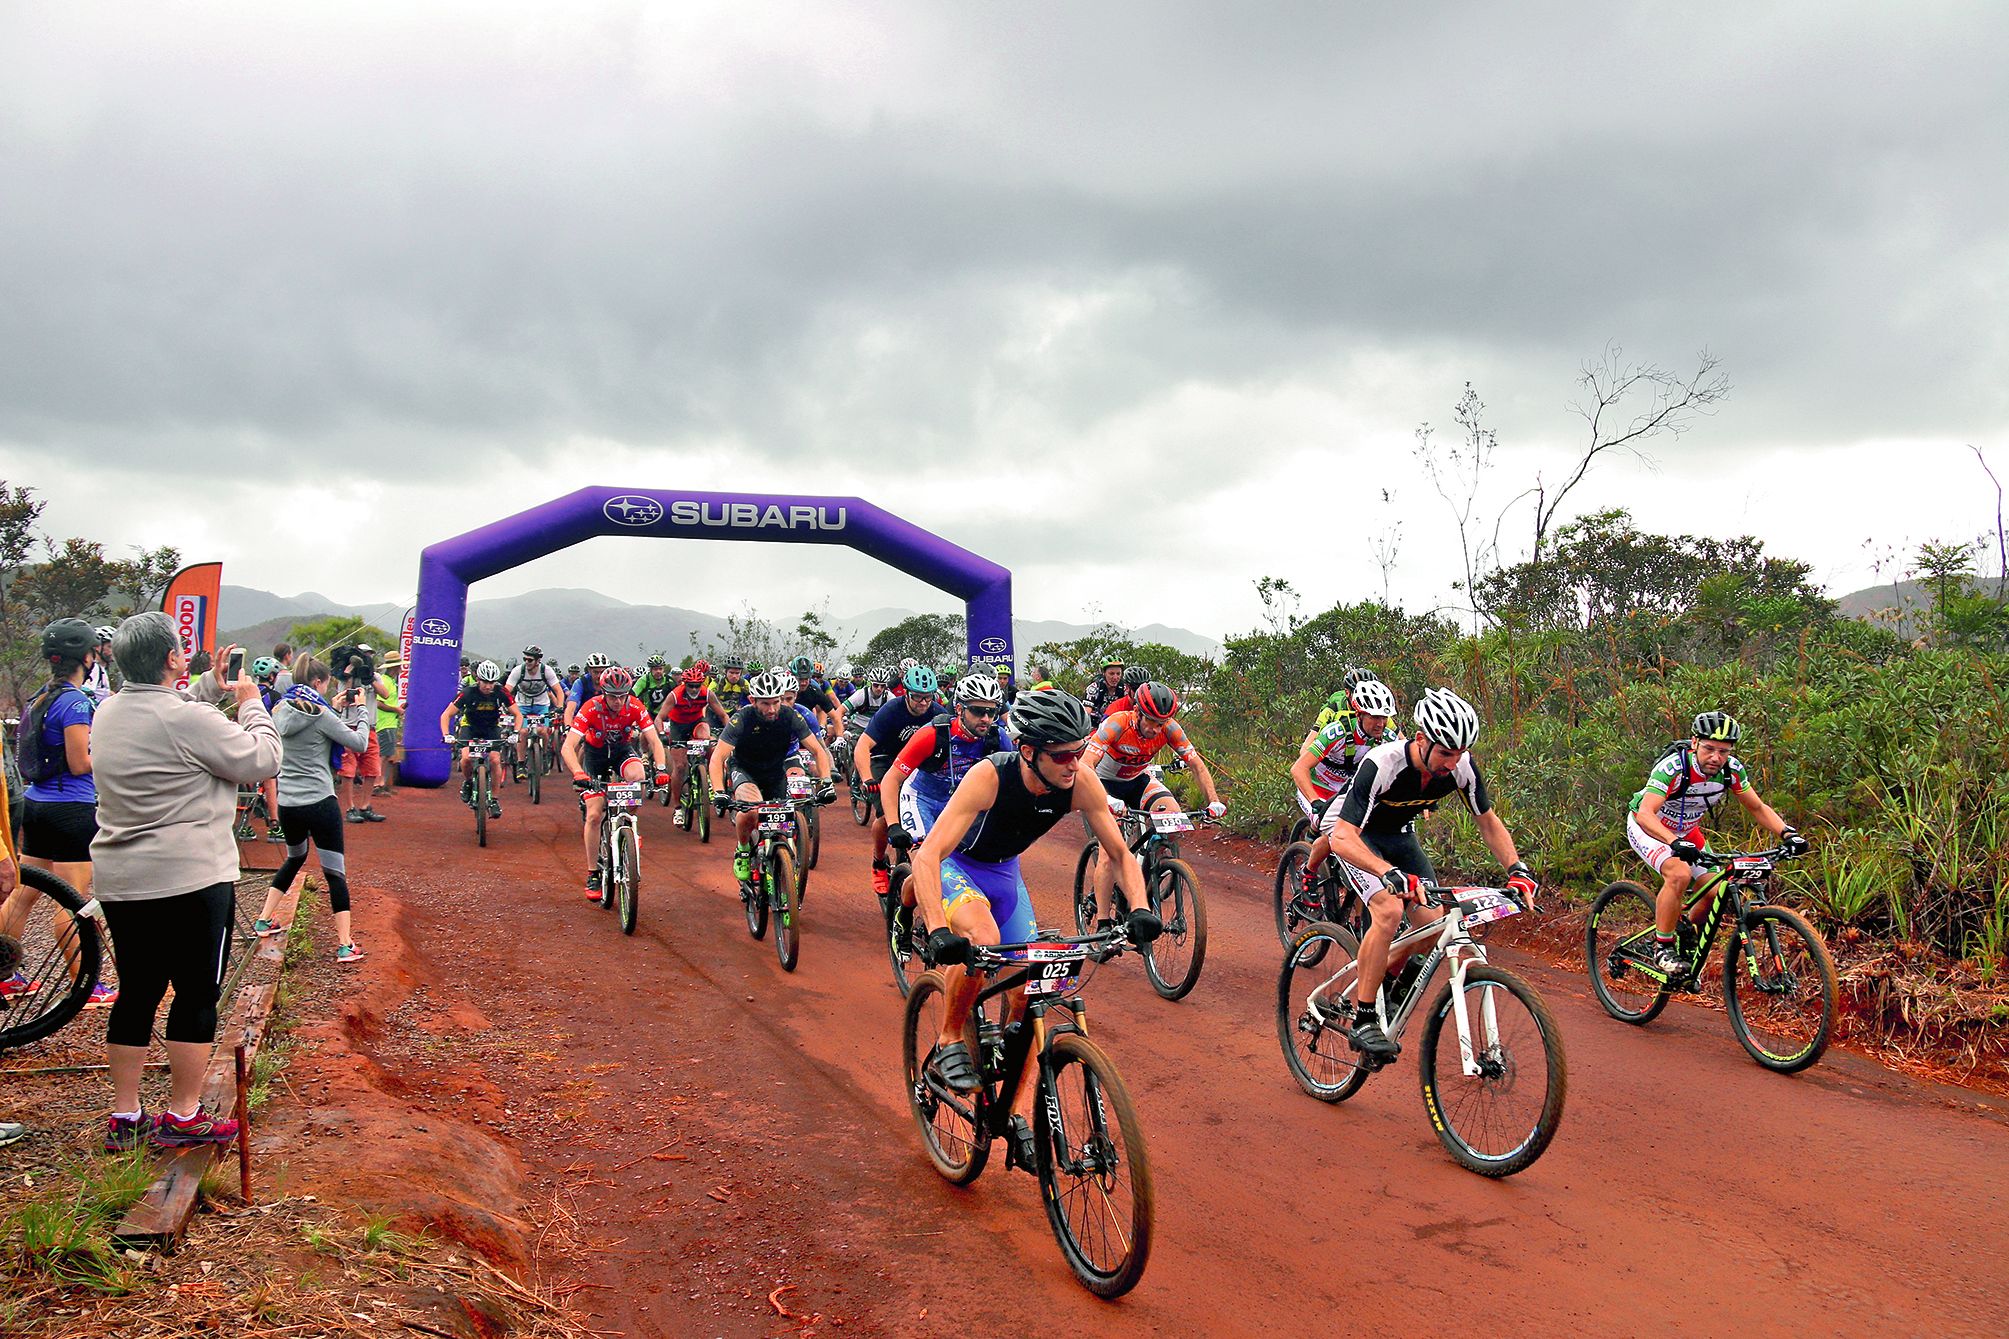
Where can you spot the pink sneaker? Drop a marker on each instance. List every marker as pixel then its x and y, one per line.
pixel 172 1131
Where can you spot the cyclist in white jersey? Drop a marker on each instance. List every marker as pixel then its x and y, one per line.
pixel 1665 823
pixel 538 691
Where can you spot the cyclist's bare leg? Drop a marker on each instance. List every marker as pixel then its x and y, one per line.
pixel 974 922
pixel 680 763
pixel 744 823
pixel 1377 957
pixel 1674 879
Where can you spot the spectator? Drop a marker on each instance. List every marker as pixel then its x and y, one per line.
pixel 307 807
pixel 390 727
pixel 61 815
pixel 357 702
pixel 284 655
pixel 167 870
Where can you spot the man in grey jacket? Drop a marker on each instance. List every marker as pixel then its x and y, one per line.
pixel 166 855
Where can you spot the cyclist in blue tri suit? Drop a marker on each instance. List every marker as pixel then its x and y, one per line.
pixel 936 758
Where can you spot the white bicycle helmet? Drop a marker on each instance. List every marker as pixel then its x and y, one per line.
pixel 978 688
pixel 880 677
pixel 1449 720
pixel 488 672
pixel 772 682
pixel 1371 697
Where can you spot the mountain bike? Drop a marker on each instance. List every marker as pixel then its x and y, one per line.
pixel 1496 1098
pixel 694 801
pixel 775 884
pixel 1173 962
pixel 621 850
pixel 864 798
pixel 1094 1175
pixel 476 790
pixel 904 934
pixel 1778 980
pixel 51 952
pixel 536 762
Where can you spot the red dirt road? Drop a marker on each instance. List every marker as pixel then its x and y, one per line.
pixel 719 1129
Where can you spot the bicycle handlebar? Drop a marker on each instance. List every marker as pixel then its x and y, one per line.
pixel 1135 931
pixel 1716 858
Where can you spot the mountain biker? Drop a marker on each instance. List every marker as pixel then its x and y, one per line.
pixel 600 746
pixel 684 716
pixel 866 699
pixel 1134 677
pixel 654 688
pixel 537 690
pixel 1339 706
pixel 1325 765
pixel 966 873
pixel 811 693
pixel 733 690
pixel 1104 690
pixel 1121 752
pixel 1009 683
pixel 481 710
pixel 936 757
pixel 98 666
pixel 1393 786
pixel 1664 824
pixel 843 684
pixel 887 733
pixel 755 746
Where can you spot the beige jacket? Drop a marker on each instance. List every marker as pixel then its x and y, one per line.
pixel 167 772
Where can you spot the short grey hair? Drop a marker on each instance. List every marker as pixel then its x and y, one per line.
pixel 142 645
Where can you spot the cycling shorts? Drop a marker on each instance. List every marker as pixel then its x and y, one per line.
pixel 1653 850
pixel 1400 849
pixel 1000 885
pixel 771 785
pixel 604 762
pixel 917 813
pixel 681 732
pixel 1138 792
pixel 534 711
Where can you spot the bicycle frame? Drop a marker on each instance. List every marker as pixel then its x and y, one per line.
pixel 1728 889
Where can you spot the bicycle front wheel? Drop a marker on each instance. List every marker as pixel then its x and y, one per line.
pixel 1498 1121
pixel 1779 988
pixel 481 793
pixel 1314 1006
pixel 784 891
pixel 1084 888
pixel 1617 937
pixel 628 890
pixel 951 1123
pixel 535 777
pixel 861 799
pixel 1173 959
pixel 814 818
pixel 701 807
pixel 1284 887
pixel 56 955
pixel 753 899
pixel 1094 1175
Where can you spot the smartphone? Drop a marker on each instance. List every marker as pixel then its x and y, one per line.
pixel 236 669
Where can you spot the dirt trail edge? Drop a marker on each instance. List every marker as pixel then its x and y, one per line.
pixel 685 1140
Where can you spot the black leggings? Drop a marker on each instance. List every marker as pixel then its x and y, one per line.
pixel 182 940
pixel 321 822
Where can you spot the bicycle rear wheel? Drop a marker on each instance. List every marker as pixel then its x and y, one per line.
pixel 1498 1121
pixel 1283 891
pixel 1313 1033
pixel 861 799
pixel 57 955
pixel 1094 1174
pixel 1300 831
pixel 783 890
pixel 951 1123
pixel 1084 887
pixel 628 859
pixel 1619 931
pixel 1779 988
pixel 1173 959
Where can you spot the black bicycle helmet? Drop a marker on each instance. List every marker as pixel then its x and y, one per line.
pixel 1136 677
pixel 1049 716
pixel 802 667
pixel 1718 725
pixel 1359 675
pixel 68 639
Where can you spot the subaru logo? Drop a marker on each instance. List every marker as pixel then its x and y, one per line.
pixel 629 509
pixel 992 646
pixel 435 627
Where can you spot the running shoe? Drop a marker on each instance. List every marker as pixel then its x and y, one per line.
pixel 347 954
pixel 103 996
pixel 264 929
pixel 742 863
pixel 371 816
pixel 18 984
pixel 353 816
pixel 12 1132
pixel 172 1131
pixel 275 835
pixel 127 1132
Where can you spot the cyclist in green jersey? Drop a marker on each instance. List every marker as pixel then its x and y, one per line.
pixel 654 688
pixel 1339 706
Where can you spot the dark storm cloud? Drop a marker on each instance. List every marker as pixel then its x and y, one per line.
pixel 419 242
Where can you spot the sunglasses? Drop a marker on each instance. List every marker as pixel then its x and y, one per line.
pixel 1065 757
pixel 983 713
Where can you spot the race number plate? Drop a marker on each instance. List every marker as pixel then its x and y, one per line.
pixel 777 818
pixel 1486 907
pixel 1171 823
pixel 1750 862
pixel 1053 971
pixel 698 748
pixel 800 787
pixel 624 795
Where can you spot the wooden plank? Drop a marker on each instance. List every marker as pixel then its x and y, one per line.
pixel 161 1217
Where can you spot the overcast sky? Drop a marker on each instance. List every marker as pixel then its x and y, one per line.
pixel 1142 301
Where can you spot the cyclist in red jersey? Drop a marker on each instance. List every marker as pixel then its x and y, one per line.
pixel 602 744
pixel 684 717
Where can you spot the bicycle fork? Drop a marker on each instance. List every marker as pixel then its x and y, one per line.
pixel 1462 955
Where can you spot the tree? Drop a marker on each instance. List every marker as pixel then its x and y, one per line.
pixel 1456 471
pixel 812 637
pixel 1962 614
pixel 932 639
pixel 144 577
pixel 318 636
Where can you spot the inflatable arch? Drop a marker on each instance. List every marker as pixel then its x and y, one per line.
pixel 447 568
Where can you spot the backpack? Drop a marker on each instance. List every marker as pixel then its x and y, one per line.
pixel 33 758
pixel 1682 748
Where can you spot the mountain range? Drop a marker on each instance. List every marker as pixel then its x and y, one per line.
pixel 569 624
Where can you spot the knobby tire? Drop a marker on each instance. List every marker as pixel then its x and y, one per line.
pixel 1094 1172
pixel 1453 1101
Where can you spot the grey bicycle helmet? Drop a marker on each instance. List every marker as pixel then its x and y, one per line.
pixel 68 639
pixel 104 633
pixel 1048 716
pixel 1449 720
pixel 488 672
pixel 1358 675
pixel 1136 677
pixel 1718 725
pixel 879 676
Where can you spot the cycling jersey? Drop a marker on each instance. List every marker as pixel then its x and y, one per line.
pixel 809 695
pixel 1126 753
pixel 760 747
pixel 1331 715
pixel 863 705
pixel 1016 819
pixel 815 728
pixel 481 713
pixel 1692 799
pixel 842 689
pixel 1099 699
pixel 654 692
pixel 685 709
pixel 1337 750
pixel 583 687
pixel 1389 793
pixel 734 696
pixel 600 723
pixel 535 689
pixel 892 726
pixel 935 758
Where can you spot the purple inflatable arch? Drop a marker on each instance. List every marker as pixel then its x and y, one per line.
pixel 447 568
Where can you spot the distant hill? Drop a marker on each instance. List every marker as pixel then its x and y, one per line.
pixel 569 624
pixel 1904 604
